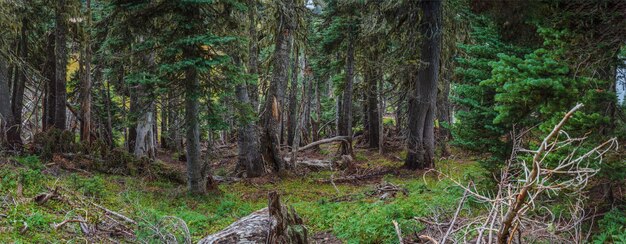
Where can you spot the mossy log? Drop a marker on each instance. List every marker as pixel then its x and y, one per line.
pixel 274 224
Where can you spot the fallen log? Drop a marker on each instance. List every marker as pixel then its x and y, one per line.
pixel 313 164
pixel 324 141
pixel 355 178
pixel 274 224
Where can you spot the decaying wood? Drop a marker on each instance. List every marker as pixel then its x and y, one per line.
pixel 59 225
pixel 274 224
pixel 324 141
pixel 225 179
pixel 44 197
pixel 398 232
pixel 353 178
pixel 127 219
pixel 313 164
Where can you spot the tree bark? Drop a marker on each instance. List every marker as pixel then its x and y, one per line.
pixel 345 116
pixel 273 103
pixel 49 73
pixel 85 103
pixel 14 133
pixel 422 103
pixel 307 99
pixel 197 171
pixel 6 115
pixel 372 106
pixel 443 115
pixel 253 60
pixel 274 224
pixel 292 120
pixel 60 50
pixel 249 149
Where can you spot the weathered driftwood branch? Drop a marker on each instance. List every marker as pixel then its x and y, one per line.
pixel 274 224
pixel 520 200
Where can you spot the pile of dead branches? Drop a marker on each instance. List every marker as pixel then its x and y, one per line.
pixel 523 188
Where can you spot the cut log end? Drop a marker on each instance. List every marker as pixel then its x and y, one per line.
pixel 274 224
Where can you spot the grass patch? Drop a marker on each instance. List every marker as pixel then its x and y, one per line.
pixel 363 220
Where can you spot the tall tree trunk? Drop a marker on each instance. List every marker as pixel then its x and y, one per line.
pixel 345 117
pixel 85 103
pixel 197 171
pixel 250 157
pixel 273 103
pixel 253 60
pixel 443 115
pixel 165 142
pixel 60 50
pixel 292 120
pixel 145 138
pixel 174 123
pixel 422 102
pixel 133 116
pixel 106 95
pixel 372 106
pixel 49 73
pixel 6 115
pixel 15 129
pixel 318 113
pixel 307 99
pixel 381 113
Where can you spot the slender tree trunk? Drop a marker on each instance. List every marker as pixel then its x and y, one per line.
pixel 345 117
pixel 14 133
pixel 60 50
pixel 307 99
pixel 292 120
pixel 422 103
pixel 400 112
pixel 443 116
pixel 381 114
pixel 372 106
pixel 197 171
pixel 133 116
pixel 6 115
pixel 49 73
pixel 107 105
pixel 164 121
pixel 318 112
pixel 253 60
pixel 174 123
pixel 85 103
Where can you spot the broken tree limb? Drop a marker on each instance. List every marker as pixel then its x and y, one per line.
pixel 127 219
pixel 59 225
pixel 274 224
pixel 324 141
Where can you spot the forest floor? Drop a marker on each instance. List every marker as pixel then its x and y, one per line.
pixel 335 211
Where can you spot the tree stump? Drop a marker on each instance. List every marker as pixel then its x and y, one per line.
pixel 274 224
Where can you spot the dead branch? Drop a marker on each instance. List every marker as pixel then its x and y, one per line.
pixel 324 141
pixel 398 231
pixel 59 225
pixel 127 219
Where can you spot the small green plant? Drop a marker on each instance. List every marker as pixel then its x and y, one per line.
pixel 612 228
pixel 30 161
pixel 92 187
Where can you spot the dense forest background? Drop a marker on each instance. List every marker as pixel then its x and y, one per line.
pixel 376 121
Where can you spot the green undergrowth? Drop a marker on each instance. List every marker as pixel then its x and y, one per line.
pixel 358 218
